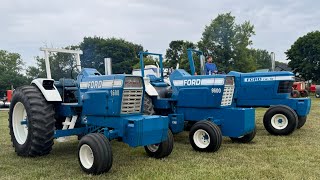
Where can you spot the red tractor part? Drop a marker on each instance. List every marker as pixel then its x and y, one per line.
pixel 299 90
pixel 9 95
pixel 312 88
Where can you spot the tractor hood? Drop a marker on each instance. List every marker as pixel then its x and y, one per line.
pixel 201 91
pixel 101 92
pixel 263 85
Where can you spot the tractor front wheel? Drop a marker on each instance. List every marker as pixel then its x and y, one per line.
pixel 246 138
pixel 148 108
pixel 304 93
pixel 31 122
pixel 280 120
pixel 301 121
pixel 162 149
pixel 205 136
pixel 95 154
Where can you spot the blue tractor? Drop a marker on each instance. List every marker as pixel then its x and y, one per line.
pixel 95 107
pixel 202 101
pixel 270 90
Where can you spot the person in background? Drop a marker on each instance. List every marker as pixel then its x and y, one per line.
pixel 210 67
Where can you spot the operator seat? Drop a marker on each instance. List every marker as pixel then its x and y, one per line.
pixel 163 89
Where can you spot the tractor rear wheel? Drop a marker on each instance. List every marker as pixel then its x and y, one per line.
pixel 148 108
pixel 301 121
pixel 280 120
pixel 205 136
pixel 246 138
pixel 295 94
pixel 31 122
pixel 162 149
pixel 95 154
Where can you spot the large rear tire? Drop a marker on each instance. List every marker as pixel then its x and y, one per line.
pixel 280 120
pixel 162 149
pixel 148 108
pixel 95 154
pixel 205 136
pixel 31 122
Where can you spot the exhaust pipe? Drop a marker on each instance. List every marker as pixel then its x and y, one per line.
pixel 107 66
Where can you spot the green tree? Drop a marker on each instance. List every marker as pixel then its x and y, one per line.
pixel 281 66
pixel 148 60
pixel 124 54
pixel 304 56
pixel 177 53
pixel 11 67
pixel 262 58
pixel 228 43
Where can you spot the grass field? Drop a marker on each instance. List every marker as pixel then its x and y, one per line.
pixel 268 157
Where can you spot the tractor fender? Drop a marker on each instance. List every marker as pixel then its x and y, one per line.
pixel 150 90
pixel 50 94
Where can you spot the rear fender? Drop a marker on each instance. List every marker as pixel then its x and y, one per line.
pixel 51 94
pixel 150 90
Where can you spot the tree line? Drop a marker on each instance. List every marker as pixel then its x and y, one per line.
pixel 226 41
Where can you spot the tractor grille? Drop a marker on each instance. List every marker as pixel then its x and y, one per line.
pixel 227 95
pixel 131 101
pixel 285 86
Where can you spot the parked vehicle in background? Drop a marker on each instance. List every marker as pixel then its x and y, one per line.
pixel 5 98
pixel 317 93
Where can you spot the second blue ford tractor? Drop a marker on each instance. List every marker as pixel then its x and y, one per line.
pixel 202 101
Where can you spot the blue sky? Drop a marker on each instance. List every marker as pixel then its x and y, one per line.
pixel 28 25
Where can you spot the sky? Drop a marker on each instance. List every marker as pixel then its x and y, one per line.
pixel 25 26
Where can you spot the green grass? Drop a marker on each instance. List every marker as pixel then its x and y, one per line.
pixel 268 157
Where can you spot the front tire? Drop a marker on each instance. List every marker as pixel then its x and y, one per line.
pixel 280 120
pixel 162 149
pixel 148 108
pixel 246 138
pixel 31 122
pixel 205 136
pixel 301 121
pixel 95 154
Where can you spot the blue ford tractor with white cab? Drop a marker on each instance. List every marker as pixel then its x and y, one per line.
pixel 98 108
pixel 205 102
pixel 270 90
